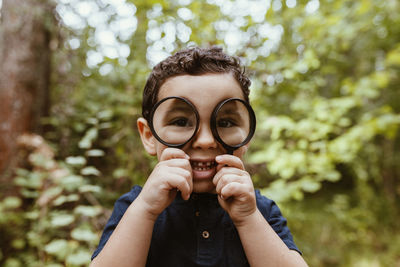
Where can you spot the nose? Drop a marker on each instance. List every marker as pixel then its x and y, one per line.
pixel 204 138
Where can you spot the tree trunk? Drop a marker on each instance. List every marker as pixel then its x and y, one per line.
pixel 24 72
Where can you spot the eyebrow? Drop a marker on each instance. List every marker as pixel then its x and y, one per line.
pixel 229 111
pixel 180 108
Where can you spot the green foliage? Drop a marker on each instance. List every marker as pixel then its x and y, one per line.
pixel 325 88
pixel 53 217
pixel 331 99
pixel 345 228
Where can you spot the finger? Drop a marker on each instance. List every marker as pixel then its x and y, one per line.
pixel 229 160
pixel 179 166
pixel 180 183
pixel 186 173
pixel 226 171
pixel 226 179
pixel 173 153
pixel 233 189
pixel 185 167
pixel 180 163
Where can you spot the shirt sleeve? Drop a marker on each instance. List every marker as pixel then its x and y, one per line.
pixel 120 206
pixel 273 215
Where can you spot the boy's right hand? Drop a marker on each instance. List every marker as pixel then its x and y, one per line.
pixel 172 173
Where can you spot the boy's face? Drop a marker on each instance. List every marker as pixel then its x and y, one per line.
pixel 205 92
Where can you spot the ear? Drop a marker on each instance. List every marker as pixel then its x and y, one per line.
pixel 148 140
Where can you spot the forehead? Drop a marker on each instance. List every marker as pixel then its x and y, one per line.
pixel 204 91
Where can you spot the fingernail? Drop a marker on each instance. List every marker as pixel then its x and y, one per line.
pixel 218 158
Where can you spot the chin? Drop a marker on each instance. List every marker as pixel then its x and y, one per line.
pixel 203 187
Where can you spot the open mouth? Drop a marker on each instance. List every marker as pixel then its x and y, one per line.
pixel 203 165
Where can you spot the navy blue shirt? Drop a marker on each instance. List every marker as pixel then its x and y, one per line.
pixel 197 232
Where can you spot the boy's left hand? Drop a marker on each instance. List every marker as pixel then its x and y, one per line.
pixel 234 188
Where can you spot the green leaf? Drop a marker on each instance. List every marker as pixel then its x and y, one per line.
pixel 59 220
pixel 29 193
pixel 332 176
pixel 87 140
pixel 18 243
pixel 32 181
pixel 22 172
pixel 53 192
pixel 79 258
pixel 72 182
pixel 84 234
pixel 105 125
pixel 57 248
pixel 95 153
pixel 76 161
pixel 90 170
pixel 40 160
pixel 12 202
pixel 11 262
pixel 393 57
pixel 90 188
pixel 63 199
pixel 32 215
pixel 89 211
pixel 105 114
pixel 120 172
pixel 309 185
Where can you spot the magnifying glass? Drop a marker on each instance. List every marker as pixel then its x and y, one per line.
pixel 174 121
pixel 233 123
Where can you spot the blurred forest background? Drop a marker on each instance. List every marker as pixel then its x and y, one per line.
pixel 325 88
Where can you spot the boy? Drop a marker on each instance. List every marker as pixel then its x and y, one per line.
pixel 198 207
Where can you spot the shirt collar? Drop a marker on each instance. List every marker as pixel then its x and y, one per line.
pixel 199 198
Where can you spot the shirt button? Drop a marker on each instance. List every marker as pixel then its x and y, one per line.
pixel 197 213
pixel 205 234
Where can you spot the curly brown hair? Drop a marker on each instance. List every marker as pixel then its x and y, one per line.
pixel 192 61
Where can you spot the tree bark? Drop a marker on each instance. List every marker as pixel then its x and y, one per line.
pixel 24 72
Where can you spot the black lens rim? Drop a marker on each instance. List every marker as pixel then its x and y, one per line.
pixel 153 110
pixel 213 124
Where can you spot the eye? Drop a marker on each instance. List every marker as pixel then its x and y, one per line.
pixel 225 123
pixel 180 122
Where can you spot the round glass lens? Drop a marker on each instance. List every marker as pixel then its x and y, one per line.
pixel 233 123
pixel 174 121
